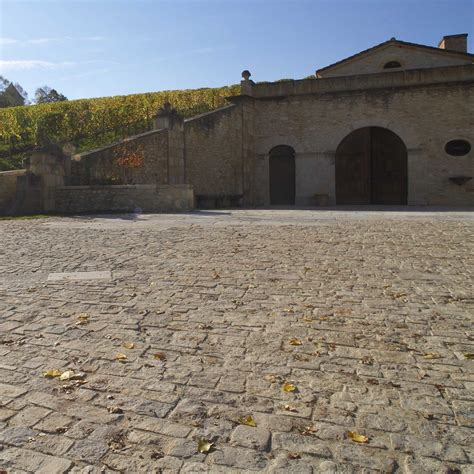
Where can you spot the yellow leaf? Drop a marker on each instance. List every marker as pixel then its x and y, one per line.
pixel 247 420
pixel 83 319
pixel 160 356
pixel 204 446
pixel 71 375
pixel 469 355
pixel 52 373
pixel 431 355
pixel 128 345
pixel 357 437
pixel 120 357
pixel 294 341
pixel 289 387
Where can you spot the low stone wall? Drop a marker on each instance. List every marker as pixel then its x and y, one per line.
pixel 99 166
pixel 126 198
pixel 8 184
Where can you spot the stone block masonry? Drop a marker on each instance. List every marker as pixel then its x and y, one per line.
pixel 8 186
pixel 127 198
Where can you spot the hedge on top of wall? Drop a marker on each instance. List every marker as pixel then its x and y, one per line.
pixel 87 123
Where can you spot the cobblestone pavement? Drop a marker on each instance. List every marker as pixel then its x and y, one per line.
pixel 367 316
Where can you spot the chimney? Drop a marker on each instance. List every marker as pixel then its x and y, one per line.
pixel 454 43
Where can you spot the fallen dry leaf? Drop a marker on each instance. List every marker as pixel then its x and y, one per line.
pixel 357 437
pixel 272 378
pixel 309 430
pixel 294 341
pixel 301 357
pixel 114 410
pixel 120 357
pixel 294 455
pixel 204 446
pixel 71 375
pixel 128 345
pixel 431 355
pixel 83 319
pixel 50 373
pixel 290 408
pixel 247 420
pixel 289 387
pixel 160 356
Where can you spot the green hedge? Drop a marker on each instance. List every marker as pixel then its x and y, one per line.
pixel 93 122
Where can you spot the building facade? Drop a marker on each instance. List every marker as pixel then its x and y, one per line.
pixel 392 125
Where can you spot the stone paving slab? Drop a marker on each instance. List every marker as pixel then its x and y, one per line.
pixel 364 316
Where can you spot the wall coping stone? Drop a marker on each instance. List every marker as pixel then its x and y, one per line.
pixel 211 112
pixel 127 186
pixel 406 78
pixel 79 156
pixel 13 173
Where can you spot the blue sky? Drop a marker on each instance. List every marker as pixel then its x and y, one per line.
pixel 99 48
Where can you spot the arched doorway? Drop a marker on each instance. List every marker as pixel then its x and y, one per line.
pixel 371 168
pixel 282 175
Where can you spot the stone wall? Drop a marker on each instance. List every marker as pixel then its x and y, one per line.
pixel 100 166
pixel 424 117
pixel 213 152
pixel 8 187
pixel 127 198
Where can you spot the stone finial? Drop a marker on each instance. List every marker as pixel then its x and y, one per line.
pixel 246 84
pixel 246 75
pixel 167 117
pixel 166 110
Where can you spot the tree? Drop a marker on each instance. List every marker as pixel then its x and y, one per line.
pixel 22 92
pixel 4 83
pixel 46 95
pixel 11 95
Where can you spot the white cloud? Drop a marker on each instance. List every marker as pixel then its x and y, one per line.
pixel 9 41
pixel 22 65
pixel 4 41
pixel 80 75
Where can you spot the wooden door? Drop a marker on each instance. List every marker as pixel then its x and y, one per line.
pixel 371 168
pixel 282 176
pixel 389 170
pixel 353 168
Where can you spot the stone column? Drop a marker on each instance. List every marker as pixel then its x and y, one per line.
pixel 252 169
pixel 168 119
pixel 52 166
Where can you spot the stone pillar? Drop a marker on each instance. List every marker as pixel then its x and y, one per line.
pixel 52 166
pixel 168 119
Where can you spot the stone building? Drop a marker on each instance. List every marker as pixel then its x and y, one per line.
pixel 391 125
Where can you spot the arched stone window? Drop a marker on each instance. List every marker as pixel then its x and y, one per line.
pixel 392 65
